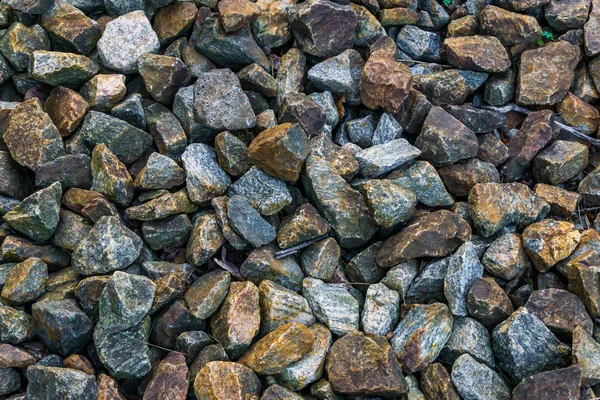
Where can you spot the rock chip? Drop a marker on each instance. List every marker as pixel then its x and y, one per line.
pixel 586 354
pixel 475 380
pixel 47 383
pixel 205 179
pixel 220 102
pixel 378 373
pixel 37 216
pixel 104 91
pixel 421 335
pixel 505 257
pixel 559 162
pixel 110 176
pixel 237 321
pixel 280 306
pixel 207 293
pixel 433 234
pixel 495 205
pixel 19 42
pixel 421 178
pixel 66 108
pixel 460 178
pixel 15 325
pixel 549 241
pixel 381 159
pixel 169 379
pixel 110 246
pixel 30 135
pixel 226 380
pixel 303 224
pixel 280 151
pixel 25 282
pixel 323 37
pixel 561 383
pixel 463 270
pixel 444 140
pixel 389 203
pixel 343 207
pixel 523 346
pixel 267 194
pixel 546 73
pixel 333 305
pixel 61 69
pixel 125 39
pixel 437 384
pixel 248 223
pixel 163 76
pixel 477 53
pixel 381 310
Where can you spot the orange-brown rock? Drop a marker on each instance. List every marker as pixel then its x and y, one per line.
pixel 358 365
pixel 437 384
pixel 77 361
pixel 66 108
pixel 384 82
pixel 237 321
pixel 579 113
pixel 435 234
pixel 14 357
pixel 222 380
pixel 549 241
pixel 274 352
pixel 477 53
pixel 235 14
pixel 280 151
pixel 108 389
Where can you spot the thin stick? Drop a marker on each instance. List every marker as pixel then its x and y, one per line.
pixel 153 345
pixel 508 108
pixel 578 134
pixel 298 247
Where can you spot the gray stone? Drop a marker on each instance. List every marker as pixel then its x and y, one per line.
pixel 71 170
pixel 126 141
pixel 463 270
pixel 523 346
pixel 205 179
pixel 62 326
pixel 61 69
pixel 468 337
pixel 387 130
pixel 167 234
pixel 110 246
pixel 267 194
pixel 383 158
pixel 207 293
pixel 419 44
pixel 220 102
pixel 421 178
pixel 321 259
pixel 381 310
pixel 333 305
pixel 261 265
pixel 10 381
pixel 389 203
pixel 500 88
pixel 19 42
pixel 586 354
pixel 131 111
pixel 110 177
pixel 160 172
pixel 25 282
pixel 506 258
pixel 15 325
pixel 400 277
pixel 338 74
pixel 280 306
pixel 248 223
pixel 360 130
pixel 474 380
pixel 125 39
pixel 421 335
pixel 47 383
pixel 343 207
pixel 165 129
pixel 125 301
pixel 125 354
pixel 37 216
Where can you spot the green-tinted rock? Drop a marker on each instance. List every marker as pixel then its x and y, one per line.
pixel 163 76
pixel 247 222
pixel 332 305
pixel 15 326
pixel 110 246
pixel 232 154
pixel 125 301
pixel 261 264
pixel 46 383
pixel 423 180
pixel 127 142
pixel 206 239
pixel 110 176
pixel 37 216
pixel 160 172
pixel 205 179
pixel 61 69
pixel 280 306
pixel 267 194
pixel 62 325
pixel 70 29
pixel 124 354
pixel 389 202
pixel 321 259
pixel 168 233
pixel 559 162
pixel 303 224
pixel 19 42
pixel 25 282
pixel 207 293
pixel 166 205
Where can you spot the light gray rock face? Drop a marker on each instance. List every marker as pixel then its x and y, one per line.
pixel 523 346
pixel 110 246
pixel 387 130
pixel 125 301
pixel 463 270
pixel 125 39
pixel 333 305
pixel 400 277
pixel 339 74
pixel 476 381
pixel 267 194
pixel 381 310
pixel 468 337
pixel 220 103
pixel 429 284
pixel 309 368
pixel 205 179
pixel 381 159
pixel 421 335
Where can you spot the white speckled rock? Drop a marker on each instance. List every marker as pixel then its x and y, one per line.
pixel 381 310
